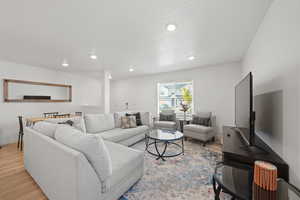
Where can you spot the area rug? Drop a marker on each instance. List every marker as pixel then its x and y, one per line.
pixel 185 177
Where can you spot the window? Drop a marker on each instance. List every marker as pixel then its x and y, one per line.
pixel 172 95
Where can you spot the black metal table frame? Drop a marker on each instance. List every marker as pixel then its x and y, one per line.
pixel 182 122
pixel 166 143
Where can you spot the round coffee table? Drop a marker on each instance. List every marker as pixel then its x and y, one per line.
pixel 166 137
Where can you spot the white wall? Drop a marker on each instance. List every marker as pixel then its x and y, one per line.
pixel 213 90
pixel 274 58
pixel 86 96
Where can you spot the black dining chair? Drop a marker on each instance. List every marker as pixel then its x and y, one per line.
pixel 50 114
pixel 62 115
pixel 78 113
pixel 21 133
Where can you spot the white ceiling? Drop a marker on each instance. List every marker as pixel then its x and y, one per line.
pixel 127 33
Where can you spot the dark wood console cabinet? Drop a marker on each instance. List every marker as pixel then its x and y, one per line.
pixel 235 152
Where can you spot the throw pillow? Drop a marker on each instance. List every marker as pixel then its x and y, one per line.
pixel 166 117
pixel 68 122
pixel 128 122
pixel 92 147
pixel 117 118
pixel 137 118
pixel 201 120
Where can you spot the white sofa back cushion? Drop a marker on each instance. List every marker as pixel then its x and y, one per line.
pixel 92 147
pixel 96 123
pixel 78 122
pixel 146 118
pixel 46 128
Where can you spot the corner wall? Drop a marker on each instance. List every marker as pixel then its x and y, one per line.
pixel 213 90
pixel 86 96
pixel 274 59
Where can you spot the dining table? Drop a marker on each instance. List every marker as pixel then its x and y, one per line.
pixel 30 121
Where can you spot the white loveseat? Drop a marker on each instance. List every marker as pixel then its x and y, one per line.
pixel 65 173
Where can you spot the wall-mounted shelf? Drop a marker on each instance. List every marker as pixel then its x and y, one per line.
pixel 14 90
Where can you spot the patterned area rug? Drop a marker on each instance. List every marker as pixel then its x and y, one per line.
pixel 185 177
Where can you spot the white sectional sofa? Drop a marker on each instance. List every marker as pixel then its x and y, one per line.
pixel 64 173
pixel 111 131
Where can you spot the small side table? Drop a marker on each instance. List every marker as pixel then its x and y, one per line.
pixel 182 122
pixel 237 181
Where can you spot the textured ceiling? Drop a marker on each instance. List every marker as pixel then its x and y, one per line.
pixel 127 33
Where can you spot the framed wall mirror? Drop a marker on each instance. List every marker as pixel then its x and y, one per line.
pixel 29 91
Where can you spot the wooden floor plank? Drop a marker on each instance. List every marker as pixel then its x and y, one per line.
pixel 15 182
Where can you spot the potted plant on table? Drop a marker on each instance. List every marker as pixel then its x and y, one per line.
pixel 184 109
pixel 187 100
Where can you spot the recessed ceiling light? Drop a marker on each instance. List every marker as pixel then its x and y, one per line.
pixel 171 27
pixel 93 57
pixel 131 69
pixel 191 57
pixel 65 63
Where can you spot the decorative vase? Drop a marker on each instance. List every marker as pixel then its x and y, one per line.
pixel 265 175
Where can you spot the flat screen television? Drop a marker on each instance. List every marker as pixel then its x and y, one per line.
pixel 244 114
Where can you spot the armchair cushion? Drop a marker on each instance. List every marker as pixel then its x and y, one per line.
pixel 198 128
pixel 165 124
pixel 201 120
pixel 204 114
pixel 167 117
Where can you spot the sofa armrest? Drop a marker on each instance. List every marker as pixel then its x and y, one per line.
pixel 61 172
pixel 146 118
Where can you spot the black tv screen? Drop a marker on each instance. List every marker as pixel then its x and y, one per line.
pixel 244 108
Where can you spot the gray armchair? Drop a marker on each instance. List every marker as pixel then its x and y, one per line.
pixel 166 120
pixel 202 127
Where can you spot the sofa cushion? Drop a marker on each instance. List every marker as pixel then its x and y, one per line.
pixel 137 118
pixel 164 124
pixel 167 117
pixel 96 123
pixel 119 134
pixel 92 147
pixel 201 120
pixel 124 161
pixel 145 118
pixel 198 128
pixel 78 122
pixel 45 128
pixel 128 122
pixel 203 114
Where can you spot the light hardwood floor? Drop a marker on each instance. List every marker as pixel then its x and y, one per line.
pixel 15 182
